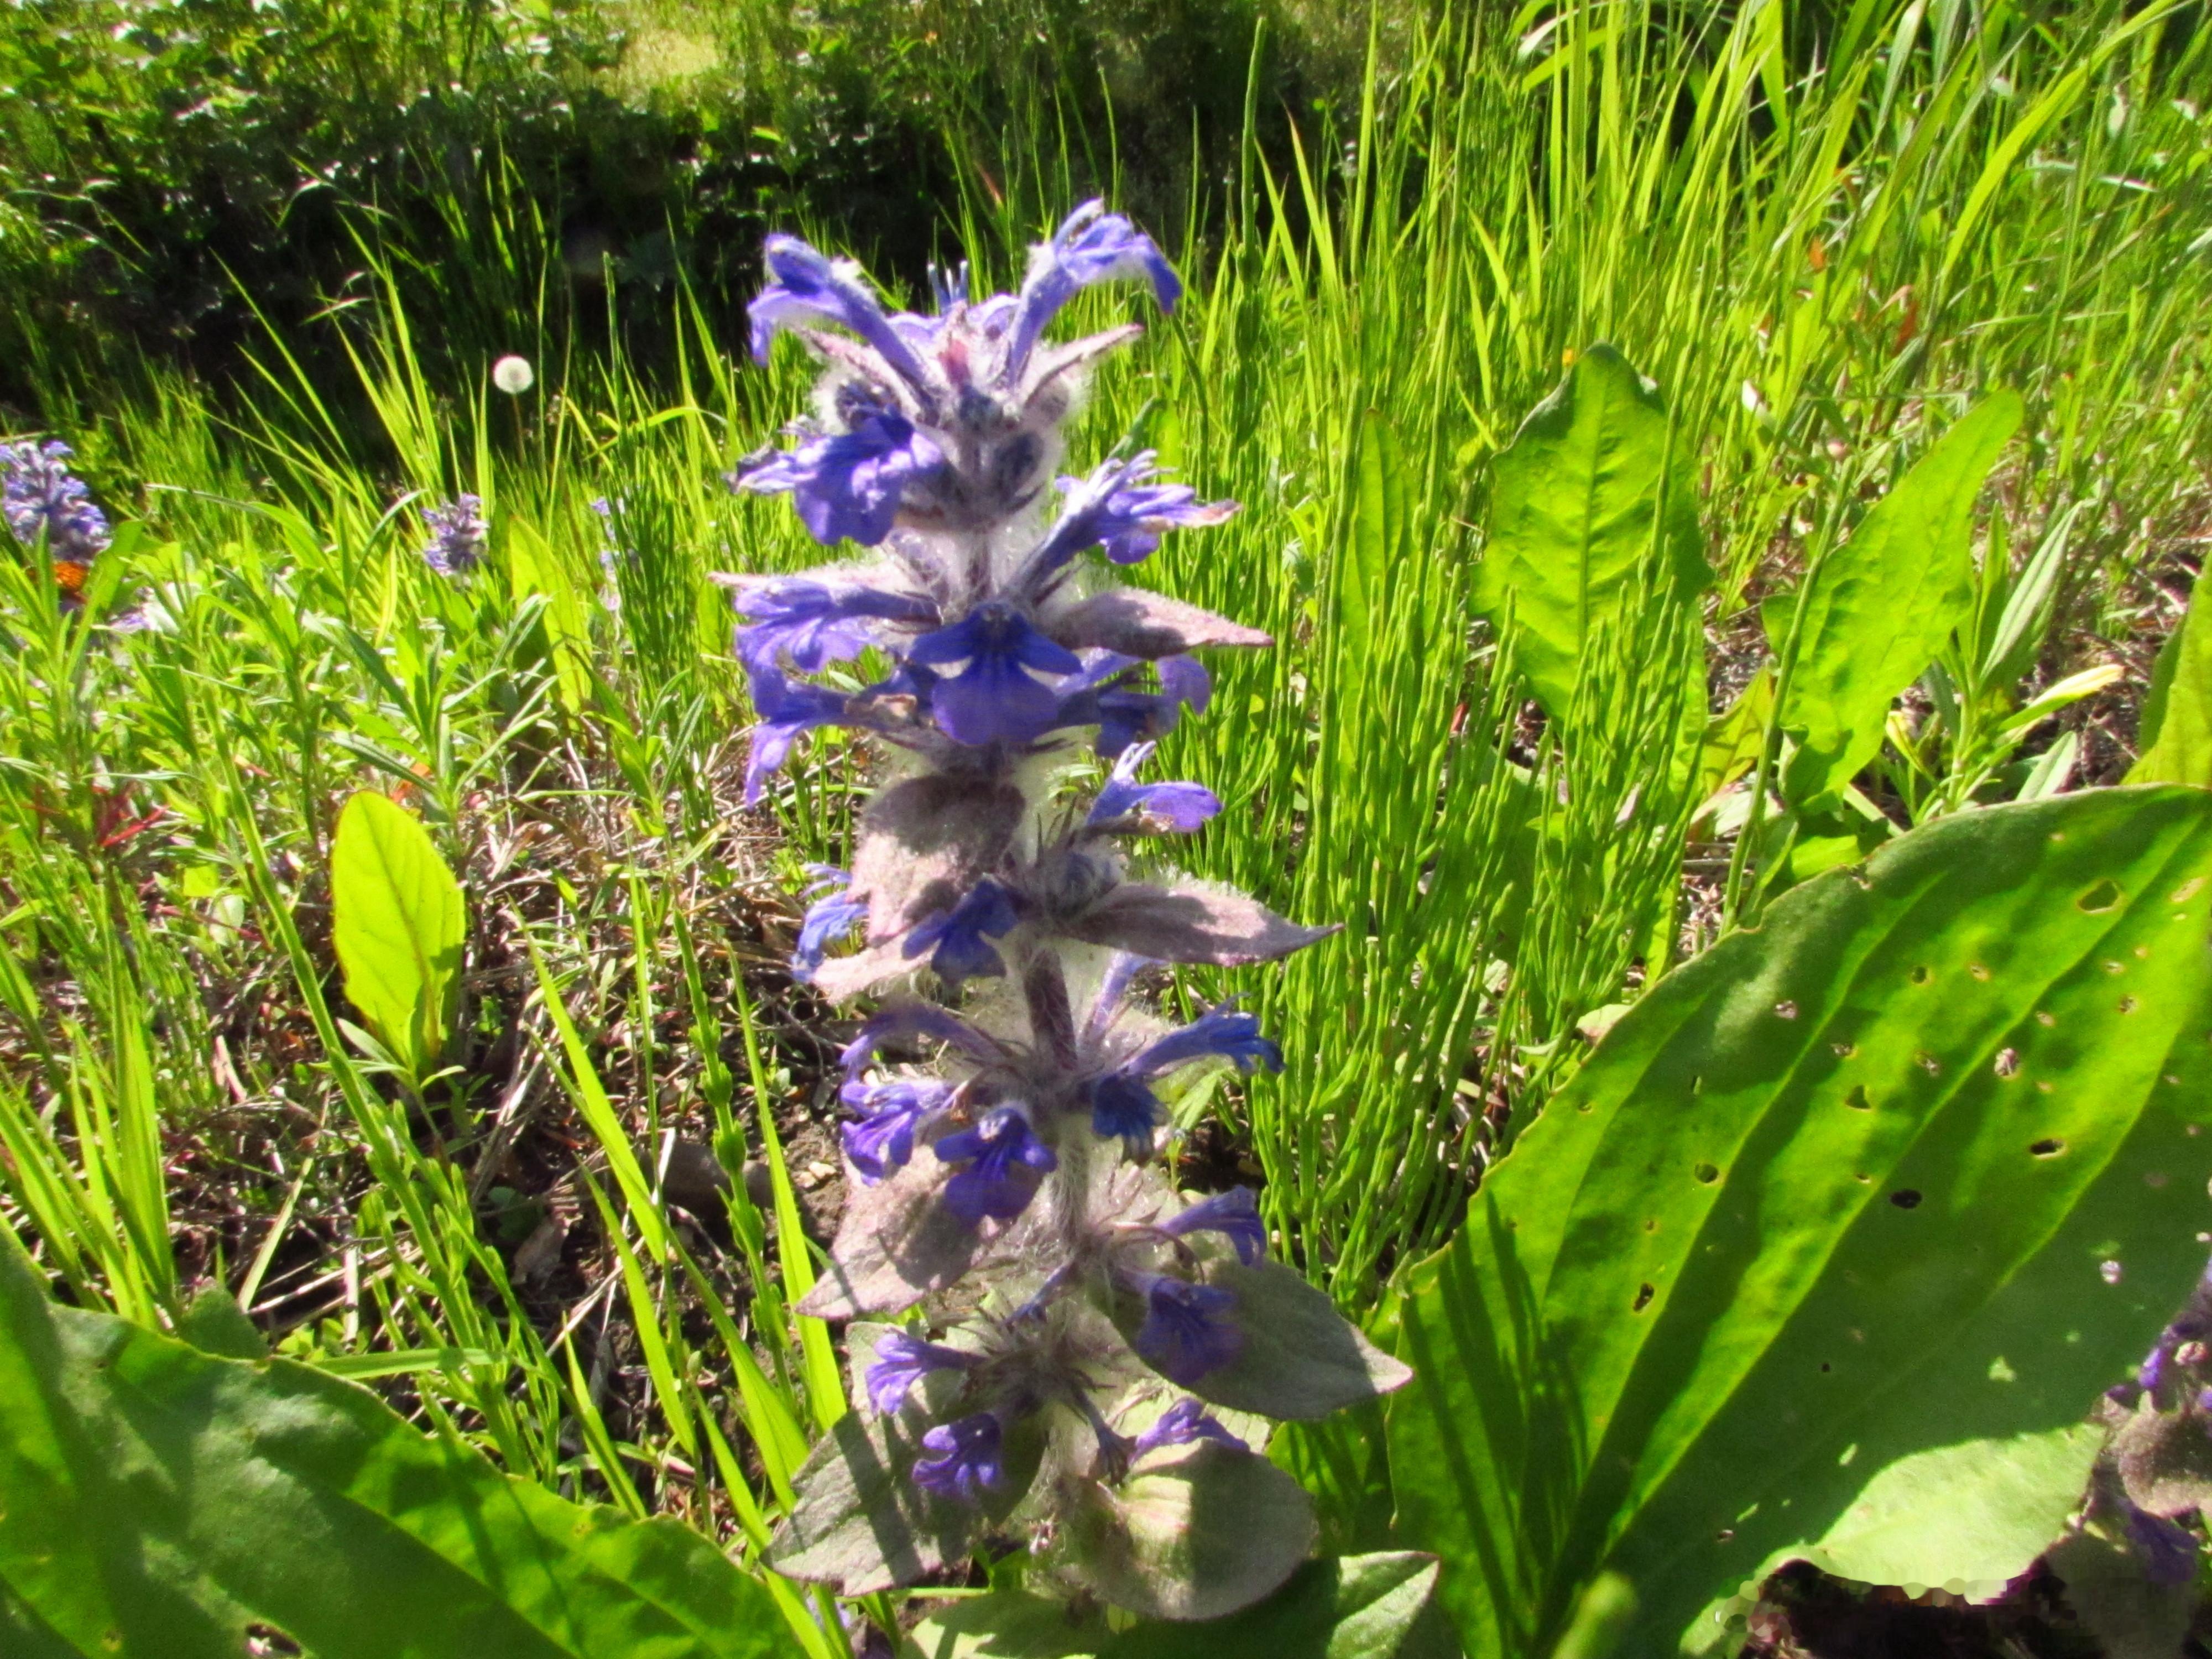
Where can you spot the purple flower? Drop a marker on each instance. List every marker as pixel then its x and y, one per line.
pixel 881 1143
pixel 2191 1327
pixel 1223 1030
pixel 1126 716
pixel 1115 507
pixel 787 708
pixel 815 624
pixel 1180 1424
pixel 959 938
pixel 1124 1107
pixel 458 535
pixel 847 485
pixel 2167 1552
pixel 964 1460
pixel 1126 803
pixel 830 918
pixel 913 1019
pixel 1185 1332
pixel 902 1361
pixel 1122 967
pixel 996 698
pixel 41 500
pixel 1091 246
pixel 1234 1213
pixel 949 287
pixel 1004 1160
pixel 1122 1103
pixel 806 286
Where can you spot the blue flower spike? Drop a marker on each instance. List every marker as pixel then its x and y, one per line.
pixel 1004 1200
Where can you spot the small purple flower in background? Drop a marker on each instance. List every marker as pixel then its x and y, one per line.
pixel 1005 1161
pixel 457 536
pixel 43 502
pixel 963 1458
pixel 996 698
pixel 1180 1424
pixel 1179 807
pixel 1234 1214
pixel 902 1361
pixel 1185 1332
pixel 881 1142
pixel 957 939
pixel 614 557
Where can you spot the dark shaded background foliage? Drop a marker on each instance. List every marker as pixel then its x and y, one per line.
pixel 178 177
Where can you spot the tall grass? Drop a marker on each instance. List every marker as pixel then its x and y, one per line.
pixel 1811 238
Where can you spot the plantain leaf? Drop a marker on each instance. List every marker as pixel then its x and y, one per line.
pixel 2176 737
pixel 1572 509
pixel 1879 608
pixel 1916 1163
pixel 1979 1510
pixel 157 1500
pixel 399 922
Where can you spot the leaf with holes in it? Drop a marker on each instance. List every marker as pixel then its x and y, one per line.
pixel 1917 1163
pixel 399 922
pixel 157 1500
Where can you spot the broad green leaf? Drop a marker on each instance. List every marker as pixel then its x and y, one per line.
pixel 1878 608
pixel 1916 1164
pixel 157 1500
pixel 399 922
pixel 2175 741
pixel 1976 1512
pixel 1358 1607
pixel 1572 508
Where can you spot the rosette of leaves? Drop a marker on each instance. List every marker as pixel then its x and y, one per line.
pixel 1087 1359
